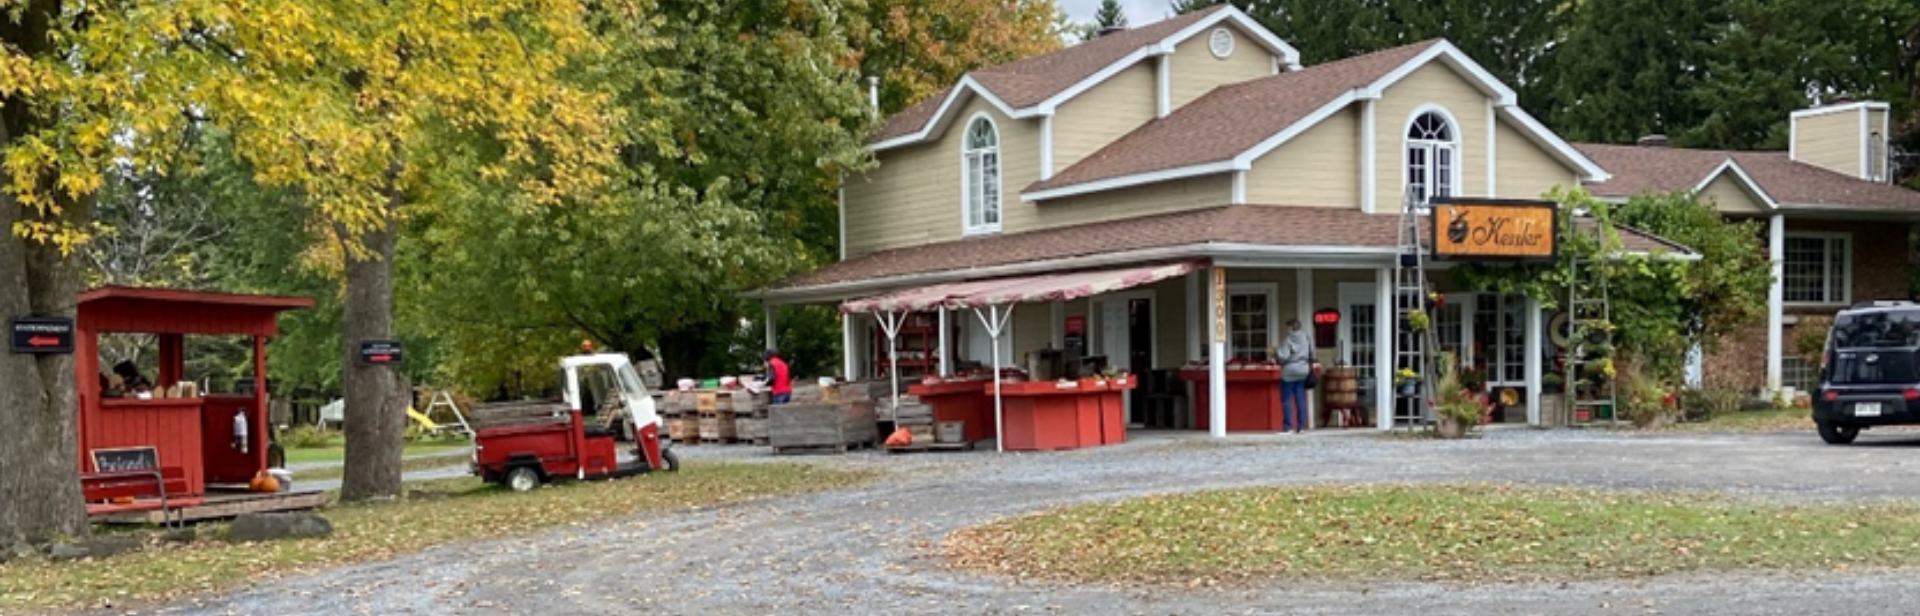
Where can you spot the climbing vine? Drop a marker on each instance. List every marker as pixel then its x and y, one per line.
pixel 1650 318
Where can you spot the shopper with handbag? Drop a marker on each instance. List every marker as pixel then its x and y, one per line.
pixel 1296 357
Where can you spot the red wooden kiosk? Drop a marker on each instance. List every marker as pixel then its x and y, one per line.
pixel 1043 415
pixel 192 439
pixel 1253 398
pixel 965 401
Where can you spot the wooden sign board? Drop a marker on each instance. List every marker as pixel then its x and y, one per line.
pixel 125 459
pixel 1494 229
pixel 42 335
pixel 1219 304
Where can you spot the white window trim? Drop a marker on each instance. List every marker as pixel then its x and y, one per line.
pixel 967 228
pixel 1272 292
pixel 1846 284
pixel 1457 142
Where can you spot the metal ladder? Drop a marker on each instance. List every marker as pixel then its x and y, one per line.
pixel 1588 308
pixel 1412 349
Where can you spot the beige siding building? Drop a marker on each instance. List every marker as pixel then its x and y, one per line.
pixel 1201 141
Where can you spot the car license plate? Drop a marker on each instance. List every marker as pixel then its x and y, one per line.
pixel 1866 409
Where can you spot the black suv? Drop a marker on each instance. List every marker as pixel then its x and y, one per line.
pixel 1870 371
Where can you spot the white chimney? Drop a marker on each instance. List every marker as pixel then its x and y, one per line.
pixel 1845 136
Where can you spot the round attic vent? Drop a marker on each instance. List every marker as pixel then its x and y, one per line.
pixel 1221 43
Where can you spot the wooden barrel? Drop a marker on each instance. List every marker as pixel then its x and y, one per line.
pixel 1342 386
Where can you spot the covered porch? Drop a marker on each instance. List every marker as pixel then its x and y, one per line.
pixel 1191 337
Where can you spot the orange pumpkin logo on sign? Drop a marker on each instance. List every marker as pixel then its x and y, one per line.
pixel 1489 229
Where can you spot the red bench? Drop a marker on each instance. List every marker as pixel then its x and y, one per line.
pixel 110 486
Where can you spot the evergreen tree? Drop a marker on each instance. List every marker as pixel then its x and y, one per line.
pixel 1110 15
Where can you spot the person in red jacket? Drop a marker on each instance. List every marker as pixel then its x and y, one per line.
pixel 782 390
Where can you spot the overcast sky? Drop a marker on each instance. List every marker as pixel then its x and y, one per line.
pixel 1139 12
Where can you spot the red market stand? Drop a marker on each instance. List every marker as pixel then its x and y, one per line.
pixel 1063 415
pixel 1253 398
pixel 967 401
pixel 187 444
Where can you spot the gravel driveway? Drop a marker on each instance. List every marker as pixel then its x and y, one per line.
pixel 866 550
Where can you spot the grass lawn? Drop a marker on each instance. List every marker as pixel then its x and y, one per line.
pixel 406 466
pixel 1441 533
pixel 338 452
pixel 436 513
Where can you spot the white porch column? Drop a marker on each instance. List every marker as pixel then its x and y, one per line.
pixel 1383 330
pixel 946 345
pixel 1057 312
pixel 850 354
pixel 1776 298
pixel 1532 363
pixel 1303 309
pixel 1196 333
pixel 773 331
pixel 1217 355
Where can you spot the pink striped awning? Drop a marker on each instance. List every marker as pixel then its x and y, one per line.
pixel 1042 288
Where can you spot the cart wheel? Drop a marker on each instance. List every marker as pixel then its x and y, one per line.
pixel 523 478
pixel 671 459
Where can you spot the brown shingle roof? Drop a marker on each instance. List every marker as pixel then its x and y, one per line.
pixel 1030 81
pixel 1267 225
pixel 1794 185
pixel 1232 119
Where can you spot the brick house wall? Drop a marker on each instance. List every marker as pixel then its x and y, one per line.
pixel 1880 271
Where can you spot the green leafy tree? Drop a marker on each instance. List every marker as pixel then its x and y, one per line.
pixel 1513 38
pixel 739 133
pixel 918 48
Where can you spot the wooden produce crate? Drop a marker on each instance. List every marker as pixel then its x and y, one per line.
pixel 751 429
pixel 718 428
pixel 684 429
pixel 820 428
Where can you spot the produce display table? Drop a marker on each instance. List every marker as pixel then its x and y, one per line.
pixel 1253 398
pixel 967 401
pixel 1057 415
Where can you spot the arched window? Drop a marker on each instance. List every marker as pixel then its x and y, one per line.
pixel 1432 158
pixel 982 201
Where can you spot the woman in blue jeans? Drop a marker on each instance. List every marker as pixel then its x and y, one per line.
pixel 1296 356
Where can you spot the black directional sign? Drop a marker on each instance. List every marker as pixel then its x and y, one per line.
pixel 380 352
pixel 42 335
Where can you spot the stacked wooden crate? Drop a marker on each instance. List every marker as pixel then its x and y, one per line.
pixel 680 417
pixel 717 425
pixel 750 416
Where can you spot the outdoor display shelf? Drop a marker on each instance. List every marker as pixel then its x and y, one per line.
pixel 969 401
pixel 1047 415
pixel 1253 398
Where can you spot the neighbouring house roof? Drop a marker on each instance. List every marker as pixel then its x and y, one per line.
pixel 1781 182
pixel 1233 118
pixel 1031 84
pixel 1307 230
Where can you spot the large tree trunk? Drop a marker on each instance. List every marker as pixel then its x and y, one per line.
pixel 39 459
pixel 377 396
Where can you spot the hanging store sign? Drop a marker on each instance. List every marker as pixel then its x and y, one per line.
pixel 1494 229
pixel 42 335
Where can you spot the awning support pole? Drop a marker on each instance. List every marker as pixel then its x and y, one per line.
pixel 996 322
pixel 890 324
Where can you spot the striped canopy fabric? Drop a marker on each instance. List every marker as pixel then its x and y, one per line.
pixel 1042 288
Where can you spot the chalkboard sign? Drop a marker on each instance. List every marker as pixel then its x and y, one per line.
pixel 125 459
pixel 379 352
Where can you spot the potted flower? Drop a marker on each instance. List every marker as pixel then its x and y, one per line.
pixel 1418 321
pixel 1407 380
